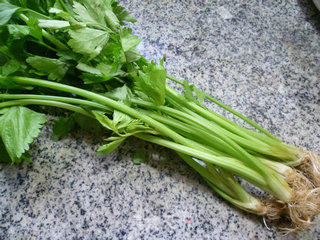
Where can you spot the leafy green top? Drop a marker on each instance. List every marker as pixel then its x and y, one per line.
pixel 83 43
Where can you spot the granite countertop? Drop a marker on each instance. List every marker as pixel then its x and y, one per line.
pixel 260 57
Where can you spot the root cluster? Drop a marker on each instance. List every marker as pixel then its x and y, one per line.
pixel 311 168
pixel 304 204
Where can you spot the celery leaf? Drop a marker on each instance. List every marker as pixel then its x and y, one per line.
pixel 18 128
pixel 55 68
pixel 6 12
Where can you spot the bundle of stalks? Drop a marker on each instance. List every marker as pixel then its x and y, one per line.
pixel 79 56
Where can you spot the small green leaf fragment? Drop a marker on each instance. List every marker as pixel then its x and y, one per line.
pixel 151 83
pixel 120 120
pixel 128 41
pixel 188 93
pixel 93 79
pixel 18 31
pixel 108 148
pixel 88 124
pixel 105 121
pixel 9 67
pixel 63 126
pixel 55 68
pixel 132 55
pixel 109 70
pixel 139 156
pixel 121 14
pixel 6 12
pixel 34 29
pixel 111 19
pixel 121 93
pixel 88 12
pixel 89 69
pixel 88 41
pixel 200 94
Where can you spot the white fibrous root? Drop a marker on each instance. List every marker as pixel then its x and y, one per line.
pixel 311 167
pixel 303 206
pixel 305 202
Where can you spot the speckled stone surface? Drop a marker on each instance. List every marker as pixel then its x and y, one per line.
pixel 260 57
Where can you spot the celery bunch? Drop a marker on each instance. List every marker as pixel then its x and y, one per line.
pixel 79 56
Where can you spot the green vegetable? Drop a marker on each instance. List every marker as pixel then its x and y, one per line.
pixel 79 56
pixel 62 126
pixel 18 127
pixel 139 156
pixel 88 41
pixel 55 68
pixel 6 12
